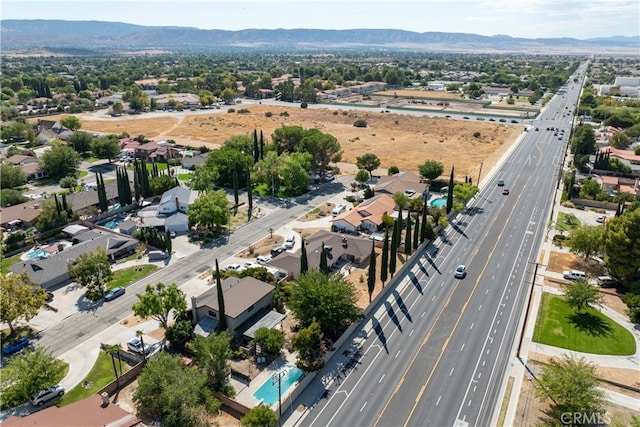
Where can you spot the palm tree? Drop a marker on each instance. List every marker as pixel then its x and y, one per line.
pixel 139 333
pixel 111 351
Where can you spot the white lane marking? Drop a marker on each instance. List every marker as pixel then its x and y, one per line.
pixel 411 333
pixel 365 404
pixel 397 354
pixel 472 326
pixel 438 401
pixel 381 378
pixel 462 348
pixel 451 372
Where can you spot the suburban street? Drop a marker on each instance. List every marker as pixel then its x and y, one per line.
pixel 84 324
pixel 436 349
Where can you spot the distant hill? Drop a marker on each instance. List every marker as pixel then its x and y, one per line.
pixel 99 36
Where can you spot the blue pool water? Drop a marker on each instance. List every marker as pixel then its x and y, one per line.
pixel 36 254
pixel 268 392
pixel 114 207
pixel 439 202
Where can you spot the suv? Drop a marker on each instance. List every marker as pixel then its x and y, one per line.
pixel 606 281
pixel 135 345
pixel 289 242
pixel 263 259
pixel 574 275
pixel 461 272
pixel 40 397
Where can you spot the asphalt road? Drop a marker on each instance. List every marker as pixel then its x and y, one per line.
pixel 436 351
pixel 77 328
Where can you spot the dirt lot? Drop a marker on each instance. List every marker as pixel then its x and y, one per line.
pixel 401 140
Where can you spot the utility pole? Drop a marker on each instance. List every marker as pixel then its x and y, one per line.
pixel 479 172
pixel 278 377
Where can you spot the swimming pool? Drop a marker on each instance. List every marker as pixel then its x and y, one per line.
pixel 268 392
pixel 38 253
pixel 439 202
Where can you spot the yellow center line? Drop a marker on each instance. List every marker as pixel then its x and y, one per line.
pixel 444 347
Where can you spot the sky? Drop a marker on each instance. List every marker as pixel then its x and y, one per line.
pixel 516 18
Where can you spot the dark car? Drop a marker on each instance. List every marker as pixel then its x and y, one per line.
pixel 15 347
pixel 505 191
pixel 503 120
pixel 501 183
pixel 277 251
pixel 114 293
pixel 514 121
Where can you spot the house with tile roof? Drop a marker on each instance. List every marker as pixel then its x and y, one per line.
pixel 367 216
pixel 409 183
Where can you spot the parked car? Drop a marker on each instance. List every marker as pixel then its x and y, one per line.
pixel 114 293
pixel 39 398
pixel 15 347
pixel 606 281
pixel 263 259
pixel 328 177
pixel 338 209
pixel 574 275
pixel 231 267
pixel 277 251
pixel 600 219
pixel 289 242
pixel 461 272
pixel 135 345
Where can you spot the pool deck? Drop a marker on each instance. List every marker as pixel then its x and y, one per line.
pixel 245 391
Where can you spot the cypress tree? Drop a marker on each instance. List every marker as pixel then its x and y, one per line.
pixel 371 281
pixel 395 241
pixel 136 184
pixel 324 268
pixel 222 324
pixel 450 193
pixel 416 234
pixel 249 192
pixel 102 194
pixel 58 207
pixel 304 263
pixel 127 186
pixel 384 266
pixel 256 149
pixel 236 196
pixel 407 236
pixel 423 230
pixel 168 244
pixel 261 146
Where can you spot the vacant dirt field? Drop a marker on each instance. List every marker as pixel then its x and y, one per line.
pixel 401 140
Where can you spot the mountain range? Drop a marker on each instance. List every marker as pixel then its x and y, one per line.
pixel 96 37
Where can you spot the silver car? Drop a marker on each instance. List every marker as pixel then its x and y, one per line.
pixel 39 398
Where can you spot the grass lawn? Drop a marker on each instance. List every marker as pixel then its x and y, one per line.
pixel 82 174
pixel 7 262
pixel 589 332
pixel 184 176
pixel 567 222
pixel 100 375
pixel 126 276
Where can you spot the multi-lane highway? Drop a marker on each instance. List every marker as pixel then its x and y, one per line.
pixel 435 351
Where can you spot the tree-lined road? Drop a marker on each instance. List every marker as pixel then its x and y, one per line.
pixel 435 352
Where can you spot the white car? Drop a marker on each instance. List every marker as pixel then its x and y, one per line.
pixel 338 209
pixel 39 398
pixel 600 219
pixel 231 267
pixel 135 345
pixel 461 272
pixel 289 242
pixel 263 259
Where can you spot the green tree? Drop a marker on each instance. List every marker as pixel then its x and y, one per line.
pixel 71 122
pixel 105 148
pixel 362 177
pixel 19 298
pixel 572 385
pixel 162 183
pixel 371 278
pixel 92 270
pixel 450 193
pixel 60 161
pixel 395 243
pixel 384 264
pixel 159 301
pixel 287 139
pixel 50 217
pixel 323 267
pixel 431 169
pixel 304 262
pixel 324 148
pixel 580 294
pixel 210 210
pixel 170 391
pixel 179 333
pixel 621 238
pixel 222 325
pixel 308 343
pixel 392 170
pixel 28 372
pixel 585 241
pixel 407 235
pixel 271 340
pixel 465 191
pixel 11 176
pixel 416 233
pixel 212 356
pixel 10 197
pixel 368 162
pixel 329 299
pixel 620 140
pixel 590 189
pixel 117 108
pixel 80 141
pixel 260 416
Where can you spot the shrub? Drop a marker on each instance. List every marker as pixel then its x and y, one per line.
pixel 231 110
pixel 360 123
pixel 268 114
pixel 304 105
pixel 335 113
pixel 243 111
pixel 393 170
pixel 476 134
pixel 284 114
pixel 68 182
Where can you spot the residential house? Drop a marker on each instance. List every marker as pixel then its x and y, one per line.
pixel 340 249
pixel 192 160
pixel 171 100
pixel 177 199
pixel 367 216
pixel 88 412
pixel 30 165
pixel 616 184
pixel 151 151
pixel 246 300
pixel 25 214
pixel 171 213
pixel 51 271
pixel 409 183
pixel 82 200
